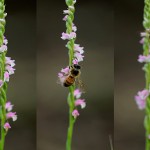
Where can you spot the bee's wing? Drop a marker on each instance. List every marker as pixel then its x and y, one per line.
pixel 80 84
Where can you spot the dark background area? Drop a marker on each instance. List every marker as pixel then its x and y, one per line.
pixel 94 20
pixel 21 35
pixel 129 77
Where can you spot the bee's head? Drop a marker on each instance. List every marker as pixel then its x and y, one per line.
pixel 76 66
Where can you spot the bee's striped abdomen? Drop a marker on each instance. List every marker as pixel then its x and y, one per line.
pixel 69 81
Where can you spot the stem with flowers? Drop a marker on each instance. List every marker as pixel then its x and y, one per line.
pixel 143 97
pixel 6 69
pixel 75 56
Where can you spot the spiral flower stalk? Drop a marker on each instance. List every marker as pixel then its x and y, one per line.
pixel 143 97
pixel 6 69
pixel 75 52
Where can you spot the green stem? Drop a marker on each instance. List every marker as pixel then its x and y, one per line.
pixel 70 45
pixel 3 116
pixel 146 47
pixel 71 119
pixel 3 89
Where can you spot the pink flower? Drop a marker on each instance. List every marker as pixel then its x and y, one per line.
pixel 66 11
pixel 79 49
pixel 74 28
pixel 65 18
pixel 6 76
pixel 75 113
pixel 79 56
pixel 72 35
pixel 141 97
pixel 140 102
pixel 142 40
pixel 8 106
pixel 80 102
pixel 75 61
pixel 11 115
pixel 60 75
pixel 10 62
pixel 5 41
pixel 63 74
pixel 67 36
pixel 65 70
pixel 143 58
pixel 3 48
pixel 143 94
pixel 10 70
pixel 77 93
pixel 7 126
pixel 1 83
pixel 143 34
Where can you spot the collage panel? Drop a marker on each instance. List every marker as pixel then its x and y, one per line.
pixel 20 101
pixel 93 128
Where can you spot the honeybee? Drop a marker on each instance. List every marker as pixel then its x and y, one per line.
pixel 74 74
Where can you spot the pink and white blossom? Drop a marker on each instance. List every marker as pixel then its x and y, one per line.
pixel 10 69
pixel 65 70
pixel 78 56
pixel 142 40
pixel 74 28
pixel 75 113
pixel 7 126
pixel 67 36
pixel 141 97
pixel 60 75
pixel 75 61
pixel 66 11
pixel 143 34
pixel 143 58
pixel 65 18
pixel 10 62
pixel 77 93
pixel 79 49
pixel 9 106
pixel 80 102
pixel 5 41
pixel 63 74
pixel 6 76
pixel 11 115
pixel 3 48
pixel 141 103
pixel 143 94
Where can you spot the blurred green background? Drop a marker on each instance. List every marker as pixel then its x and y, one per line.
pixel 129 77
pixel 94 20
pixel 21 33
